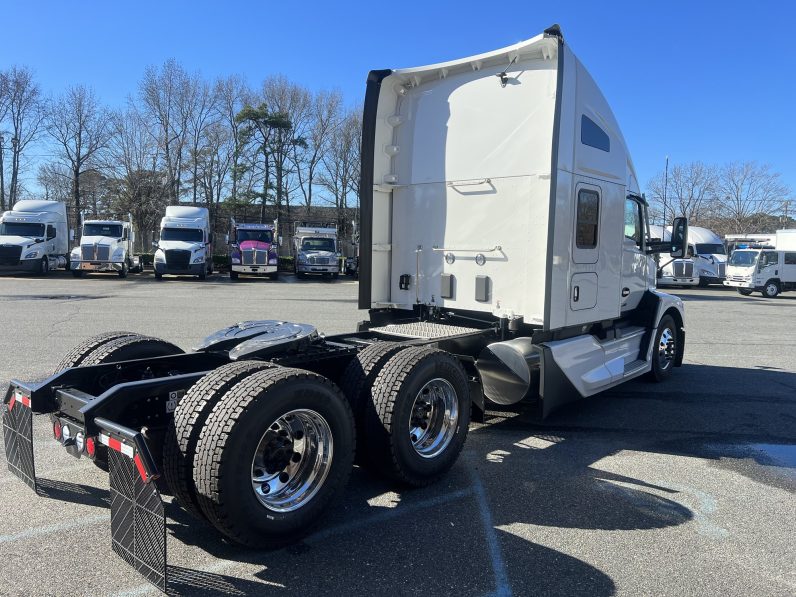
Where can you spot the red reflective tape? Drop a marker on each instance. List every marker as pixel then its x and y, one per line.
pixel 140 465
pixel 114 444
pixel 26 401
pixel 11 402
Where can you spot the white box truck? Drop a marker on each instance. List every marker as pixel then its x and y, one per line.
pixel 762 269
pixel 34 237
pixel 186 242
pixel 106 246
pixel 785 240
pixel 315 249
pixel 504 256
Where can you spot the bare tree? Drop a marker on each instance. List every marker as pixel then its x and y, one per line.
pixel 165 93
pixel 56 181
pixel 324 118
pixel 747 191
pixel 292 102
pixel 214 164
pixel 26 114
pixel 341 166
pixel 689 191
pixel 141 189
pixel 5 100
pixel 201 114
pixel 232 94
pixel 82 129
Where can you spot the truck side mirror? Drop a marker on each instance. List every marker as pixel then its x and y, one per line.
pixel 679 242
pixel 226 239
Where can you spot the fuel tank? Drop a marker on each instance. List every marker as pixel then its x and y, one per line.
pixel 509 370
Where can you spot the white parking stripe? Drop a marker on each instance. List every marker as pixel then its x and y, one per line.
pixel 54 528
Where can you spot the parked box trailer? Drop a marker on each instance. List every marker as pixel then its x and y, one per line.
pixel 34 237
pixel 504 256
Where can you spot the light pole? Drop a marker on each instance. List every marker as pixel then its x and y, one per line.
pixel 2 175
pixel 12 194
pixel 665 186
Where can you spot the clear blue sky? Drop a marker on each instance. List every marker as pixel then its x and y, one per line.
pixel 709 81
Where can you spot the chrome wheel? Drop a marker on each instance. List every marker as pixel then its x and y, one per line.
pixel 434 416
pixel 292 460
pixel 772 290
pixel 666 348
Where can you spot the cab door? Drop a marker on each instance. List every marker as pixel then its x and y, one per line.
pixel 634 258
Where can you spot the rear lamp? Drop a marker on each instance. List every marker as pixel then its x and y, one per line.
pixel 91 447
pixel 80 441
pixel 57 430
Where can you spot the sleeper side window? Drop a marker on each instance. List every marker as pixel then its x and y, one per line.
pixel 592 135
pixel 50 232
pixel 588 219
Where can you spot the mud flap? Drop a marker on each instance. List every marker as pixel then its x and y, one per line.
pixel 18 437
pixel 138 523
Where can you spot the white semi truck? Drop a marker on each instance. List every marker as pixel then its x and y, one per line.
pixel 504 256
pixel 315 249
pixel 704 264
pixel 186 242
pixel 674 272
pixel 106 246
pixel 34 237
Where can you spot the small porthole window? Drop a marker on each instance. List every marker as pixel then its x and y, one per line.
pixel 592 135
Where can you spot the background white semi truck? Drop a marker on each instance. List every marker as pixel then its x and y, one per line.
pixel 504 256
pixel 674 272
pixel 315 249
pixel 704 264
pixel 186 242
pixel 254 250
pixel 106 246
pixel 34 237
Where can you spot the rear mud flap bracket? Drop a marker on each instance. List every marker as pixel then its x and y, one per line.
pixel 18 437
pixel 138 522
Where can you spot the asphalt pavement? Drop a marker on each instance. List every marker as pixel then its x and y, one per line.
pixel 682 488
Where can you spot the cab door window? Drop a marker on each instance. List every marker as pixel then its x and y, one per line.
pixel 769 258
pixel 634 228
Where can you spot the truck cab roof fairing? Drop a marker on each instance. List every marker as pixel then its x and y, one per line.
pixel 470 145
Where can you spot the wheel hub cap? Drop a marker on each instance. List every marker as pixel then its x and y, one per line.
pixel 434 417
pixel 666 348
pixel 292 460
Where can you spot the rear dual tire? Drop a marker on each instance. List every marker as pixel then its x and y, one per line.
pixel 261 474
pixel 417 422
pixel 184 429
